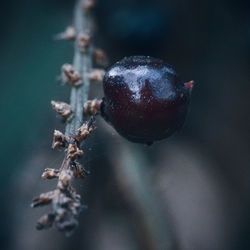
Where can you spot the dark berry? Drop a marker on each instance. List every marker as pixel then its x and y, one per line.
pixel 145 99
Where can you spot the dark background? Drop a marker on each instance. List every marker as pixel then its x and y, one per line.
pixel 200 176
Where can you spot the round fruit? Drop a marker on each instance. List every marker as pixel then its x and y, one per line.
pixel 145 99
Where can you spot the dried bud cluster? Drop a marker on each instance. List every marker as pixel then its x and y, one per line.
pixel 59 140
pixel 78 170
pixel 70 76
pixel 91 107
pixel 66 204
pixel 85 130
pixel 50 173
pixel 64 179
pixel 64 199
pixel 62 108
pixel 96 75
pixel 46 221
pixel 73 151
pixel 83 40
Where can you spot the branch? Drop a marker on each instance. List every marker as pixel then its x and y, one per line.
pixel 65 201
pixel 82 63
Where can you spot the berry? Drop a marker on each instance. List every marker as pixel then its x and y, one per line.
pixel 144 99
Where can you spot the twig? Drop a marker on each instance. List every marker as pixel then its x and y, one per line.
pixel 65 201
pixel 82 63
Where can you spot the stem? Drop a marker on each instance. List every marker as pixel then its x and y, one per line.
pixel 132 171
pixel 82 63
pixel 65 202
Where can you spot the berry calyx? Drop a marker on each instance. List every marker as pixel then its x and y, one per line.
pixel 145 99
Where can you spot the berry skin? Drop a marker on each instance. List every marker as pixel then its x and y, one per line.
pixel 144 99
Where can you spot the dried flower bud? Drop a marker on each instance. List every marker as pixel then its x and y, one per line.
pixel 62 108
pixel 100 57
pixel 71 76
pixel 91 107
pixel 67 226
pixel 64 179
pixel 46 221
pixel 50 173
pixel 60 211
pixel 83 40
pixel 68 34
pixel 75 208
pixel 43 199
pixel 59 140
pixel 64 200
pixel 73 151
pixel 78 170
pixel 85 130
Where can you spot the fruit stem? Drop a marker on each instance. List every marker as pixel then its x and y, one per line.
pixel 132 171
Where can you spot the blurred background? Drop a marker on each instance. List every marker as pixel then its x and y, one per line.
pixel 192 189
